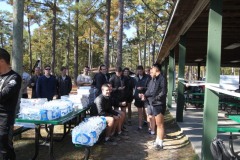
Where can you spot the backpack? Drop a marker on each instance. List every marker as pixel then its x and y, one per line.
pixel 219 150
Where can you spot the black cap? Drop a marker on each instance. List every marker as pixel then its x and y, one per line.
pixel 5 55
pixel 158 66
pixel 47 66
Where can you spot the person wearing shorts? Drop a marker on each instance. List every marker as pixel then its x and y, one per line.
pixel 104 107
pixel 155 97
pixel 141 82
pixel 130 84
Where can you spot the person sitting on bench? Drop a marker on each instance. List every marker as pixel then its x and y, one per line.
pixel 104 107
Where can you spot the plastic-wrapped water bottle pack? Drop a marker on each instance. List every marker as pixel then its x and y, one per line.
pixel 84 90
pixel 41 109
pixel 88 131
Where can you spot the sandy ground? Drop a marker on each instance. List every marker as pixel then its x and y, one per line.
pixel 138 147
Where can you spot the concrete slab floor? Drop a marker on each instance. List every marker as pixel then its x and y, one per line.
pixel 192 127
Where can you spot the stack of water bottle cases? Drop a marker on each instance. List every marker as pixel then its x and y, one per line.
pixel 86 133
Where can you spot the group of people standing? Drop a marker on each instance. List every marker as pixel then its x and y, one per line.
pixel 114 96
pixel 46 85
pixel 116 93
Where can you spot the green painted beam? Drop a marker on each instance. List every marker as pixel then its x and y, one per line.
pixel 164 67
pixel 170 78
pixel 180 99
pixel 210 117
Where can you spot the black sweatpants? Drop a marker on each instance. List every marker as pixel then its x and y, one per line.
pixel 6 144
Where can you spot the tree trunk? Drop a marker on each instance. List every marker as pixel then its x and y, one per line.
pixel 89 47
pixel 153 51
pixel 120 33
pixel 131 51
pixel 149 54
pixel 40 52
pixel 76 44
pixel 106 33
pixel 91 56
pixel 54 37
pixel 113 53
pixel 68 41
pixel 29 46
pixel 2 40
pixel 17 53
pixel 139 46
pixel 145 45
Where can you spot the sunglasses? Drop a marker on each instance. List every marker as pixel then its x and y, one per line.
pixel 47 68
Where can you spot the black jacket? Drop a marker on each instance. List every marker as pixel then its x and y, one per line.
pixel 104 106
pixel 33 80
pixel 100 79
pixel 157 96
pixel 64 87
pixel 130 84
pixel 116 83
pixel 46 87
pixel 10 85
pixel 141 83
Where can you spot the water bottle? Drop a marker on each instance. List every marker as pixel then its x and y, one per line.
pixel 43 114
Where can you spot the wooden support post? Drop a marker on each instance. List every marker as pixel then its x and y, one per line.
pixel 211 100
pixel 180 99
pixel 170 78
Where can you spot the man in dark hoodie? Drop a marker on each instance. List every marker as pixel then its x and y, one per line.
pixel 64 83
pixel 10 85
pixel 155 96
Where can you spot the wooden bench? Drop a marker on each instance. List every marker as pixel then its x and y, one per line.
pixel 230 129
pixel 20 130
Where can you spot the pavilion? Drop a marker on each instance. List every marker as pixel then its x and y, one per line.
pixel 201 33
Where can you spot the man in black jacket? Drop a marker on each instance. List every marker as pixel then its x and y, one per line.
pixel 100 79
pixel 104 107
pixel 156 99
pixel 64 83
pixel 10 85
pixel 33 81
pixel 118 87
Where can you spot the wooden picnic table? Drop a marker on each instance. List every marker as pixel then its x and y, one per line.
pixel 49 124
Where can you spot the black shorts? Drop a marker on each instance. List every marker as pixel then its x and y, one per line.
pixel 155 110
pixel 129 99
pixel 139 103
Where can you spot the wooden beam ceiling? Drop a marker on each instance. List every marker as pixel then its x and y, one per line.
pixel 196 33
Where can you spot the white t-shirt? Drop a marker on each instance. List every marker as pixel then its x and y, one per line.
pixel 82 78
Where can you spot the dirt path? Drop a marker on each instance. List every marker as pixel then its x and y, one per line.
pixel 177 146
